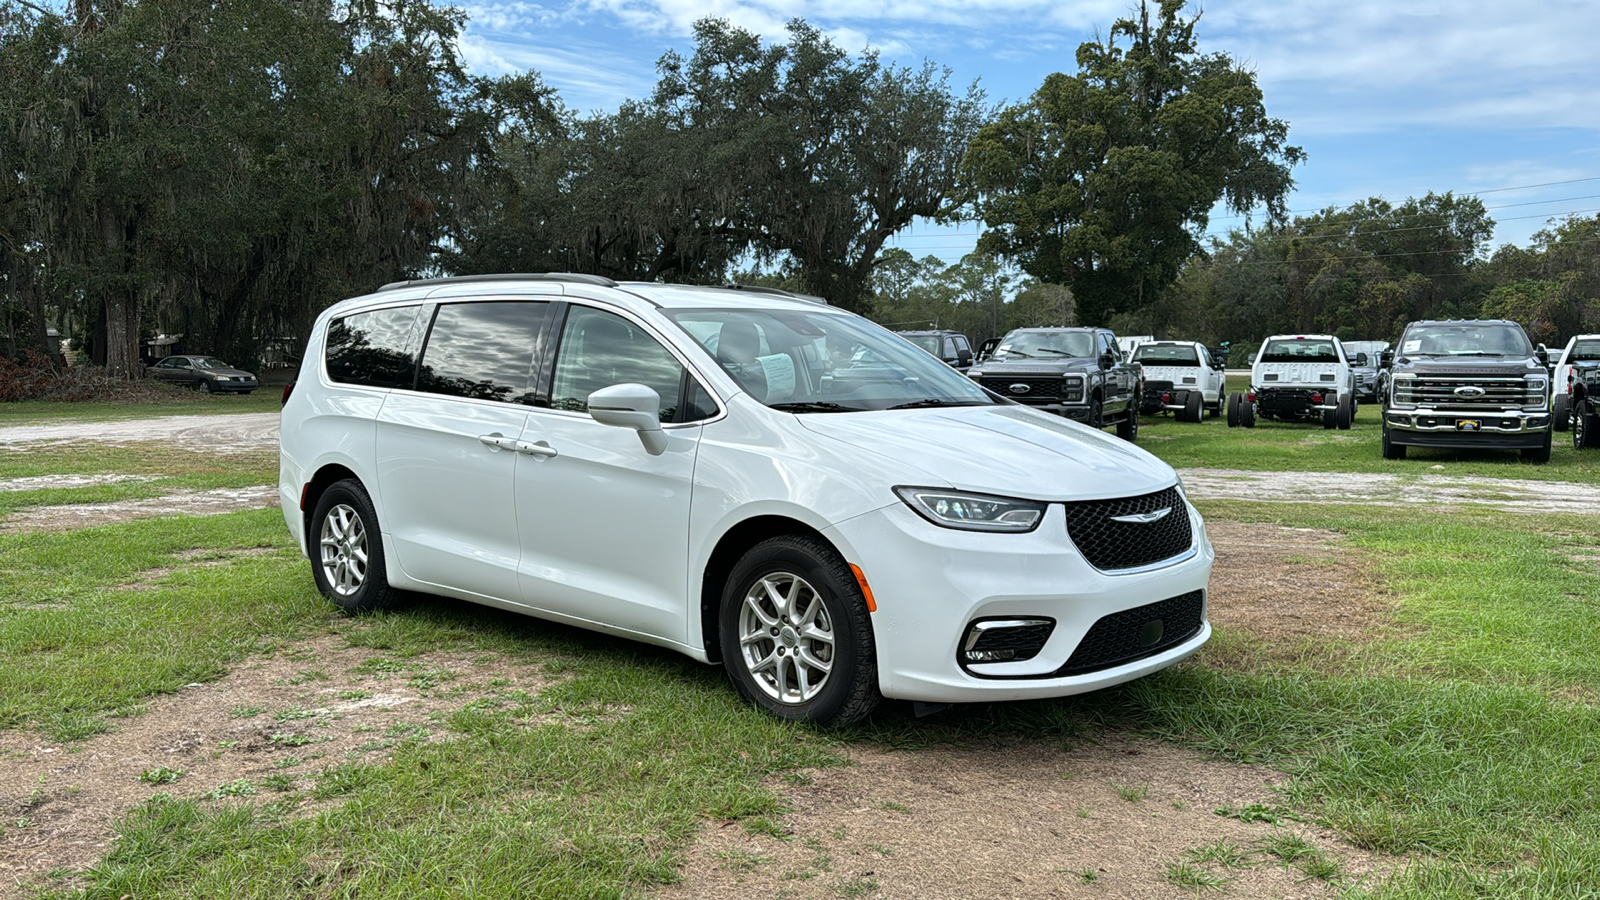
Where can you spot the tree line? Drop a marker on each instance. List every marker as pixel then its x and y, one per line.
pixel 228 168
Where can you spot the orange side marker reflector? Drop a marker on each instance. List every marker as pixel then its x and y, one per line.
pixel 866 591
pixel 303 492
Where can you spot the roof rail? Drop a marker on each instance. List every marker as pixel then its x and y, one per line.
pixel 569 277
pixel 763 289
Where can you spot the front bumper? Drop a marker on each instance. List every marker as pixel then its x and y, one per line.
pixel 1499 429
pixel 932 583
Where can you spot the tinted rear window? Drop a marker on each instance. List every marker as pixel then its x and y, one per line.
pixel 483 350
pixel 1156 355
pixel 1299 351
pixel 377 348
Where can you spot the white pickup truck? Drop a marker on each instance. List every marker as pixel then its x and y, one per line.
pixel 1181 376
pixel 1298 377
pixel 1583 348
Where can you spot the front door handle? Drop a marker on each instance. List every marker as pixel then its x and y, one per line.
pixel 536 449
pixel 497 441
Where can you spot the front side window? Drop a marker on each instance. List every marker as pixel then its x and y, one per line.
pixel 1466 339
pixel 600 349
pixel 375 348
pixel 1157 355
pixel 824 361
pixel 928 342
pixel 483 351
pixel 1299 350
pixel 1046 345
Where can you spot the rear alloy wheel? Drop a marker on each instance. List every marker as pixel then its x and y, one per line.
pixel 795 633
pixel 348 560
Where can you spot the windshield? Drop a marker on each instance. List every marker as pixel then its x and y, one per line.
pixel 1171 355
pixel 1046 344
pixel 1298 350
pixel 804 361
pixel 928 342
pixel 208 362
pixel 1466 339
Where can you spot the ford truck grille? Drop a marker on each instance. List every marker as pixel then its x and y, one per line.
pixel 1035 388
pixel 1109 544
pixel 1468 393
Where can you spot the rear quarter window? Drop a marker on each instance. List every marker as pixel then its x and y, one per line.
pixel 377 348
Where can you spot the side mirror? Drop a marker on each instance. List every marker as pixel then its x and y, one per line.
pixel 1543 354
pixel 963 357
pixel 1362 360
pixel 1386 359
pixel 633 406
pixel 1106 361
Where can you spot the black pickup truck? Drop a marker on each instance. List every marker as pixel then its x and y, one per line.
pixel 1584 389
pixel 1079 373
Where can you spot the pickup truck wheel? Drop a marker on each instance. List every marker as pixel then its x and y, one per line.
pixel 1392 450
pixel 1346 412
pixel 1234 402
pixel 1094 419
pixel 1539 454
pixel 1128 428
pixel 1192 403
pixel 1585 431
pixel 1330 419
pixel 1561 412
pixel 1247 414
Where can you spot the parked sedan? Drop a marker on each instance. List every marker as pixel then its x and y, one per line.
pixel 207 373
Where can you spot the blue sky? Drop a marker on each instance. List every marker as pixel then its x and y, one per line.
pixel 1389 98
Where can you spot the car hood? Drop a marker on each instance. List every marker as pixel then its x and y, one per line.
pixel 1001 368
pixel 1007 450
pixel 1468 365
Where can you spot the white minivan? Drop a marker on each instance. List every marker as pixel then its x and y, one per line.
pixel 750 477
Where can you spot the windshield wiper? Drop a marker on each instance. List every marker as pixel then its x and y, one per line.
pixel 927 402
pixel 805 406
pixel 1058 352
pixel 1474 353
pixel 1001 354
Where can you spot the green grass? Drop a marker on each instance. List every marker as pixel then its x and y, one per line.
pixel 182 403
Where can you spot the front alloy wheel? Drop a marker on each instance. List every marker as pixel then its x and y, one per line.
pixel 786 638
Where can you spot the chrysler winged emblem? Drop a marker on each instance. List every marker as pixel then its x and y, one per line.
pixel 1143 518
pixel 1470 390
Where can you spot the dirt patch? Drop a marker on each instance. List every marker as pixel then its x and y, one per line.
pixel 42 482
pixel 220 433
pixel 1294 591
pixel 70 516
pixel 271 725
pixel 1383 489
pixel 1024 820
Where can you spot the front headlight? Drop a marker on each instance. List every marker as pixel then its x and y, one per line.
pixel 972 512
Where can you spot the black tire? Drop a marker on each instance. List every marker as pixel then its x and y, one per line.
pixel 850 689
pixel 1330 419
pixel 1216 408
pixel 1128 428
pixel 1346 413
pixel 1247 414
pixel 1095 418
pixel 1561 412
pixel 1585 430
pixel 1540 454
pixel 1193 406
pixel 1234 402
pixel 207 387
pixel 331 544
pixel 1392 450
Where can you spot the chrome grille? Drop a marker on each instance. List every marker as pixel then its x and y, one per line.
pixel 1468 393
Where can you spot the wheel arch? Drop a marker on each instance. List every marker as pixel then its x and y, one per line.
pixel 733 545
pixel 325 477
